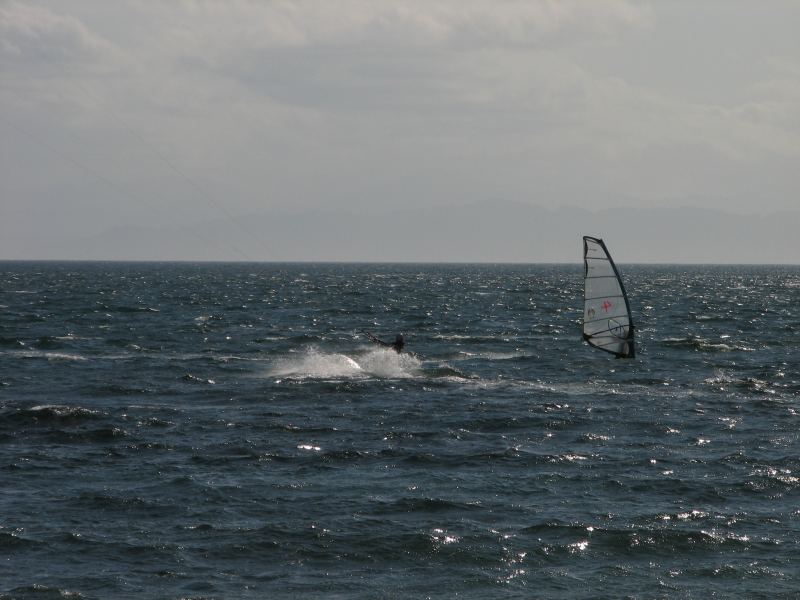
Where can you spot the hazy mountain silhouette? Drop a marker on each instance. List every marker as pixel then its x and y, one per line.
pixel 490 232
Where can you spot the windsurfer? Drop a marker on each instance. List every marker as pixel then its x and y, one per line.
pixel 396 345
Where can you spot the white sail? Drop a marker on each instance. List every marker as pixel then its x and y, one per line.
pixel 607 323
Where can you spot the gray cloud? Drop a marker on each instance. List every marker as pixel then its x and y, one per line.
pixel 126 113
pixel 35 41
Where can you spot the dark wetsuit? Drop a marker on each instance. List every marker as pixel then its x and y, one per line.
pixel 396 345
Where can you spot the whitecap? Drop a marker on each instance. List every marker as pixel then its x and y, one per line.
pixel 52 356
pixel 315 364
pixel 389 364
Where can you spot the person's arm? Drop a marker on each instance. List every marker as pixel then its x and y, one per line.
pixel 372 338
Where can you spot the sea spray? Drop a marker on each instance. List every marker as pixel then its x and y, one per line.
pixel 313 363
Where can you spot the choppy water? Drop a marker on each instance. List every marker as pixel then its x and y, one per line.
pixel 225 431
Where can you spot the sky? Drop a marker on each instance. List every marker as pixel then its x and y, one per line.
pixel 240 130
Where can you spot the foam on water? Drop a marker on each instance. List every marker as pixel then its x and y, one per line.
pixel 313 363
pixel 52 356
pixel 388 364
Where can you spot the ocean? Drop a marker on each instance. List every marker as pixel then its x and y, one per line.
pixel 208 430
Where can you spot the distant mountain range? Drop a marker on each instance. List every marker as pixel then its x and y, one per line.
pixel 496 232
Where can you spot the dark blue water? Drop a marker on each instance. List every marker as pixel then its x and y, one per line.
pixel 225 431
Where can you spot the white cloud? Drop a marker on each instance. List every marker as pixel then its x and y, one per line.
pixel 36 38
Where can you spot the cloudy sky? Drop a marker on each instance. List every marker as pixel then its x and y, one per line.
pixel 190 119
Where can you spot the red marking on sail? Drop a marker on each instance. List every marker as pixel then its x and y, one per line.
pixel 606 305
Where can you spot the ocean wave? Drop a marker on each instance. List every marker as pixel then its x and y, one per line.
pixel 230 358
pixel 722 380
pixel 41 592
pixel 758 386
pixel 772 481
pixel 46 355
pixel 51 414
pixel 491 356
pixel 203 319
pixel 49 342
pixel 189 378
pixel 700 344
pixel 116 389
pixel 133 309
pixel 447 373
pixel 270 338
pixel 424 504
pixel 348 455
pixel 87 436
pixel 132 546
pixel 227 455
pixel 657 540
pixel 32 318
pixel 11 342
pixel 13 541
pixel 107 501
pixel 359 543
pixel 472 339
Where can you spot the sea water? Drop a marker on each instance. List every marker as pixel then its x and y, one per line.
pixel 228 431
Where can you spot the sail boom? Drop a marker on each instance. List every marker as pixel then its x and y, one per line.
pixel 599 331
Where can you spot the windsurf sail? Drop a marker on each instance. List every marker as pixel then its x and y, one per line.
pixel 607 322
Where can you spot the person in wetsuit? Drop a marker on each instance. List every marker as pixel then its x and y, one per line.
pixel 396 345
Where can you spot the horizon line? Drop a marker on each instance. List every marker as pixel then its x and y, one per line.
pixel 374 262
